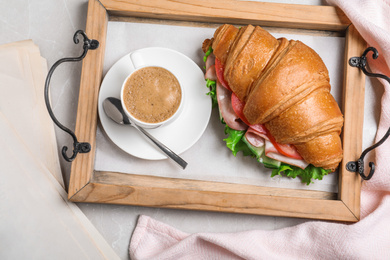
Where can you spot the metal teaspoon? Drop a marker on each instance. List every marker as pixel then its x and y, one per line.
pixel 114 110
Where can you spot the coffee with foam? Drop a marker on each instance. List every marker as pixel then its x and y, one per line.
pixel 152 94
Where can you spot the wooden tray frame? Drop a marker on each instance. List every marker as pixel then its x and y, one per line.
pixel 88 185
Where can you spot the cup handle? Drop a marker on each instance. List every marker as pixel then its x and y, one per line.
pixel 136 59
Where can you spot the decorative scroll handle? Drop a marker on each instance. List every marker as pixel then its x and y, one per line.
pixel 77 146
pixel 358 166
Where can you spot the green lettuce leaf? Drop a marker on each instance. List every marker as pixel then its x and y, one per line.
pixel 307 175
pixel 235 142
pixel 208 52
pixel 212 85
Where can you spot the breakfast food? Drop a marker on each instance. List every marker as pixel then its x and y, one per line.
pixel 152 94
pixel 275 94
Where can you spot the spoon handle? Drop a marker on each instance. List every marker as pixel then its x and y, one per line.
pixel 163 148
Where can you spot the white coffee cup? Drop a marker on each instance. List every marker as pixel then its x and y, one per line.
pixel 145 98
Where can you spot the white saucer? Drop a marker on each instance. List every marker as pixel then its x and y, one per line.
pixel 179 135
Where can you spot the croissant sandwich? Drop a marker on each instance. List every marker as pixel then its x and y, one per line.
pixel 274 97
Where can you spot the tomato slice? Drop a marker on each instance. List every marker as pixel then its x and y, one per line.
pixel 220 70
pixel 288 150
pixel 238 107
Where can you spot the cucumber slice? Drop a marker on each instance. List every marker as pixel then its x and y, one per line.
pixel 258 151
pixel 269 163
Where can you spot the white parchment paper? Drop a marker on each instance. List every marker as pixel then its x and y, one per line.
pixel 36 219
pixel 209 159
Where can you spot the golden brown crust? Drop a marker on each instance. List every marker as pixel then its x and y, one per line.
pixel 223 39
pixel 249 56
pixel 299 72
pixel 318 113
pixel 206 44
pixel 323 151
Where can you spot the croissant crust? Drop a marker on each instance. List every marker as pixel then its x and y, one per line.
pixel 285 86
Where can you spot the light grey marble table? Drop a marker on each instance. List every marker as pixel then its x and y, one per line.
pixel 51 25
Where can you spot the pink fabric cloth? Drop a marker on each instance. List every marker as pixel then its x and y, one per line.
pixel 367 239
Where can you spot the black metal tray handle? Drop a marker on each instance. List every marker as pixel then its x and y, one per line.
pixel 77 146
pixel 358 166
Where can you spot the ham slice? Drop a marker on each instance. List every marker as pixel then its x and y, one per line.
pixel 226 109
pixel 255 136
pixel 210 73
pixel 260 131
pixel 210 61
pixel 271 152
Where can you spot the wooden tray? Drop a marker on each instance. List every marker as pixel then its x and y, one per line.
pixel 88 185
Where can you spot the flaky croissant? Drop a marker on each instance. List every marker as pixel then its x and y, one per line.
pixel 284 85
